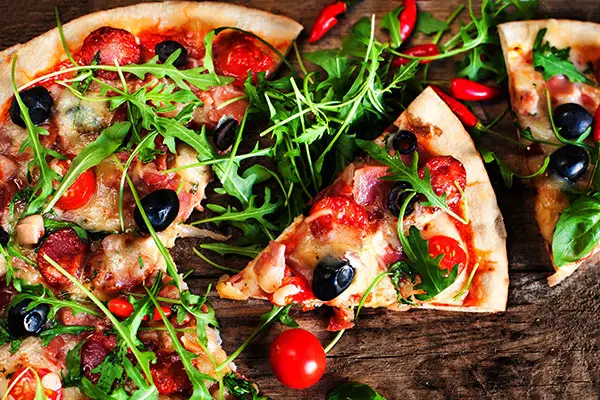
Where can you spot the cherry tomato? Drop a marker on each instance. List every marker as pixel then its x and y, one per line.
pixel 120 307
pixel 240 55
pixel 166 310
pixel 23 384
pixel 80 192
pixel 450 249
pixel 345 211
pixel 67 249
pixel 297 358
pixel 446 173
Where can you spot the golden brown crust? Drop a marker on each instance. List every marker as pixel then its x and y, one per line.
pixel 448 137
pixel 44 52
pixel 527 90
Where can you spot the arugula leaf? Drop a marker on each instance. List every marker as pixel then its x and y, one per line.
pixel 49 334
pixel 4 335
pixel 109 140
pixel 410 174
pixel 434 280
pixel 577 230
pixel 283 315
pixel 51 225
pixel 241 388
pixel 73 363
pixel 427 24
pixel 551 61
pixel 508 174
pixel 15 345
pixel 39 294
pixel 354 391
pixel 225 249
pixel 392 24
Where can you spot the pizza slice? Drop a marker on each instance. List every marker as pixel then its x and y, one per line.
pixel 89 294
pixel 448 252
pixel 553 72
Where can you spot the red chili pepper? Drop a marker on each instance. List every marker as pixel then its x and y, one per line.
pixel 422 50
pixel 596 131
pixel 468 90
pixel 408 18
pixel 462 112
pixel 326 20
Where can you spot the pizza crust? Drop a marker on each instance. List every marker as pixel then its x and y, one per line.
pixel 489 234
pixel 517 39
pixel 45 51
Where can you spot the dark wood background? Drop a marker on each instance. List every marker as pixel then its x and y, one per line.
pixel 545 346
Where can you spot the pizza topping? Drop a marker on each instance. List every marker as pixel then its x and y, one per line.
pixel 30 230
pixel 93 352
pixel 80 192
pixel 240 55
pixel 336 210
pixel 39 102
pixel 23 384
pixel 120 307
pixel 450 249
pixel 224 135
pixel 297 358
pixel 24 322
pixel 4 237
pixel 596 131
pixel 109 46
pixel 404 142
pixel 398 196
pixel 164 50
pixel 331 278
pixel 572 120
pixel 67 249
pixel 169 375
pixel 161 207
pixel 569 162
pixel 448 176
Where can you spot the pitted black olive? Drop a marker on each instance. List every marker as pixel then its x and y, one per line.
pixel 27 323
pixel 331 277
pixel 38 101
pixel 4 237
pixel 164 50
pixel 161 207
pixel 572 120
pixel 569 162
pixel 404 142
pixel 224 135
pixel 398 196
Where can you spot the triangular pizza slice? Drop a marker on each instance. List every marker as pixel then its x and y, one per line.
pixel 448 253
pixel 553 76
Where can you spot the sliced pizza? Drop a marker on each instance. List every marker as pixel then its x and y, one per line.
pixel 448 252
pixel 553 72
pixel 103 151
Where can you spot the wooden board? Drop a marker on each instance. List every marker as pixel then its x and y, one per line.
pixel 547 345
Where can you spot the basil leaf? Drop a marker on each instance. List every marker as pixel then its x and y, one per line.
pixel 429 25
pixel 106 144
pixel 354 391
pixel 552 61
pixel 577 231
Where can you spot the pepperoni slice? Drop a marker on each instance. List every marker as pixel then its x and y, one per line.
pixel 23 384
pixel 93 352
pixel 238 54
pixel 343 210
pixel 168 374
pixel 446 173
pixel 66 249
pixel 110 45
pixel 450 248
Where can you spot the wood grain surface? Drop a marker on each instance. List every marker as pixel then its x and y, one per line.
pixel 545 346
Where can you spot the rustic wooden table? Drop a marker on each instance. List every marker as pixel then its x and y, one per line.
pixel 545 346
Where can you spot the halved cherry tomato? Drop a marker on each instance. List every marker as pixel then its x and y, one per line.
pixel 241 55
pixel 344 210
pixel 23 384
pixel 80 192
pixel 297 358
pixel 446 173
pixel 120 307
pixel 67 249
pixel 450 249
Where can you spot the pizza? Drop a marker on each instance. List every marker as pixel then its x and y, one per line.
pixel 350 249
pixel 102 136
pixel 553 71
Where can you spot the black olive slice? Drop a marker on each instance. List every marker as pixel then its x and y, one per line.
pixel 161 207
pixel 224 135
pixel 404 142
pixel 164 50
pixel 37 100
pixel 331 277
